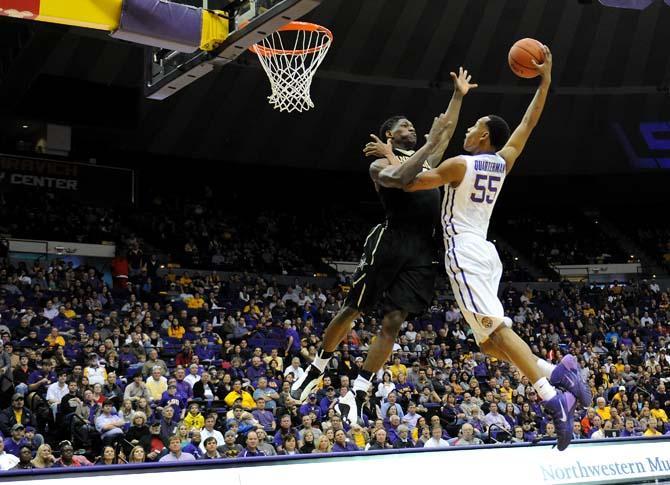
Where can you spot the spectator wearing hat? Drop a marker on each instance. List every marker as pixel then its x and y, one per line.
pixel 229 448
pixel 33 439
pixel 95 373
pixel 175 452
pixel 311 407
pixel 237 393
pixel 157 446
pixel 17 440
pixel 16 413
pixel 328 401
pixel 136 390
pixel 208 430
pixel 7 460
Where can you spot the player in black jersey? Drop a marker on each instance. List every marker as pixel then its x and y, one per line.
pixel 397 267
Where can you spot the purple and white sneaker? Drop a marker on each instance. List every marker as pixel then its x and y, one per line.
pixel 567 376
pixel 562 410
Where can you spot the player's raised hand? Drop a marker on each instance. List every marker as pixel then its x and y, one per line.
pixel 378 148
pixel 462 82
pixel 545 68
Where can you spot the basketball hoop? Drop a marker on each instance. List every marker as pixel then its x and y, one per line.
pixel 291 70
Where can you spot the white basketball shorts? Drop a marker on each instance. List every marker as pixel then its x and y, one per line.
pixel 474 269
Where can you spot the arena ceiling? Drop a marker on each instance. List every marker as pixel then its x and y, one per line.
pixel 389 57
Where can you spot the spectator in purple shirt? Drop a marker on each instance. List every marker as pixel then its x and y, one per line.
pixel 255 370
pixel 39 379
pixel 311 407
pixel 204 350
pixel 264 416
pixel 172 398
pixel 193 446
pixel 327 402
pixel 341 444
pixel 252 446
pixel 183 386
pixel 14 443
pixel 284 429
pixel 628 431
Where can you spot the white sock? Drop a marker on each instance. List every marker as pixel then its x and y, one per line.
pixel 545 390
pixel 361 384
pixel 320 363
pixel 545 367
pixel 380 374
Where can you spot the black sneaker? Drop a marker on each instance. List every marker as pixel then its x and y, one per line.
pixel 306 385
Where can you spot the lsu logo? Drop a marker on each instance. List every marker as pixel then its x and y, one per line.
pixel 487 322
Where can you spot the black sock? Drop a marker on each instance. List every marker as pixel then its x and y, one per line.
pixel 365 374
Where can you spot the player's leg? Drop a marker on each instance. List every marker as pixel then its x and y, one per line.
pixel 381 348
pixel 350 406
pixel 369 281
pixel 336 331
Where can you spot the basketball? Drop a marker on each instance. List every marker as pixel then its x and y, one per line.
pixel 521 56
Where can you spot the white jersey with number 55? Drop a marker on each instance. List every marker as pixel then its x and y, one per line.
pixel 467 208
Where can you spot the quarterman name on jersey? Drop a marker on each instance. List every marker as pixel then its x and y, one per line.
pixel 489 166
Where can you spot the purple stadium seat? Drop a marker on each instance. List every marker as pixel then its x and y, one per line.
pixel 630 4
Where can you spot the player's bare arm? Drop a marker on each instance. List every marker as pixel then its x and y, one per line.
pixel 451 171
pixel 398 176
pixel 462 86
pixel 519 138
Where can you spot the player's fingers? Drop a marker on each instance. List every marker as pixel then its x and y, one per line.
pixel 376 139
pixel 453 75
pixel 472 86
pixel 467 79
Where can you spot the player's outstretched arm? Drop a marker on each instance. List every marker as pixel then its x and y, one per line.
pixel 449 172
pixel 398 176
pixel 517 141
pixel 462 86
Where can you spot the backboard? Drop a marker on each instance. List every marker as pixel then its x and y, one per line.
pixel 166 72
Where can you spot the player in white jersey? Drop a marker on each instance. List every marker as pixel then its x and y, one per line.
pixel 472 186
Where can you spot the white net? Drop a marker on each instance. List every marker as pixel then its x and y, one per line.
pixel 291 68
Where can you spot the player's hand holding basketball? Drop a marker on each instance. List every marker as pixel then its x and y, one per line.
pixel 545 68
pixel 378 148
pixel 462 84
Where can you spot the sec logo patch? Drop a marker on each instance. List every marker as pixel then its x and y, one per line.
pixel 487 322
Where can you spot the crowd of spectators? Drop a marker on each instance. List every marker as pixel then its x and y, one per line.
pixel 205 233
pixel 195 366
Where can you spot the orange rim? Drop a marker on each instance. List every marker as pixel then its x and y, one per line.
pixel 293 26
